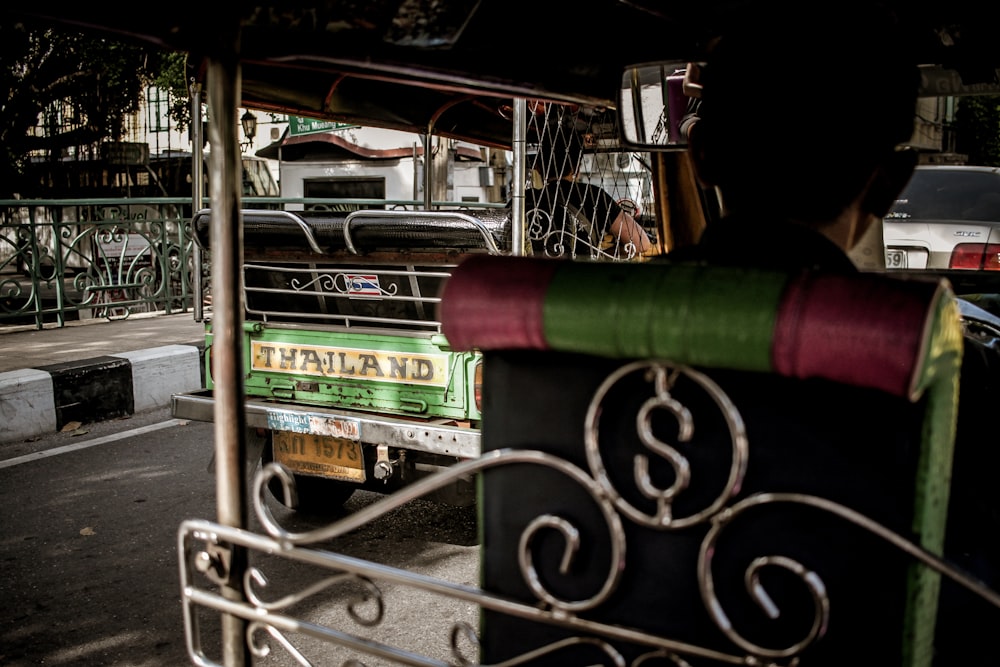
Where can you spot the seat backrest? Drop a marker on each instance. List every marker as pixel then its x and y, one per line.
pixel 723 462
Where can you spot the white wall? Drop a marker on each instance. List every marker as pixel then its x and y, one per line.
pixel 403 180
pixel 398 175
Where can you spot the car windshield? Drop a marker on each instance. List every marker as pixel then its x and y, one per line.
pixel 950 194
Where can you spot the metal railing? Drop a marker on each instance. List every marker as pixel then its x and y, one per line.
pixel 63 260
pixel 71 259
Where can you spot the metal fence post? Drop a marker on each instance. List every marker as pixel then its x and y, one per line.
pixel 197 197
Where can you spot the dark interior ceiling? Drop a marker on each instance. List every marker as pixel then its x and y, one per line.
pixel 410 64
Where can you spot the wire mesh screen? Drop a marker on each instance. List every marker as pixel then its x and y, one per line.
pixel 585 198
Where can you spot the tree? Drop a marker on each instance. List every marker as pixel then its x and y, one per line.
pixel 175 78
pixel 67 92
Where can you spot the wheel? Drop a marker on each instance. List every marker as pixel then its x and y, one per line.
pixel 316 495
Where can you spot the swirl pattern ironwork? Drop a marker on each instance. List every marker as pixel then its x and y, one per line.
pixel 200 539
pixel 81 260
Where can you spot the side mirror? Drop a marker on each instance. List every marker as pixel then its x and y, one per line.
pixel 652 102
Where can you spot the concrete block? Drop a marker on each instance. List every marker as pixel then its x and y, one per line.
pixel 91 390
pixel 27 405
pixel 160 372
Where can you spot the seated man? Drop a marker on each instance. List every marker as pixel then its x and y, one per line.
pixel 570 218
pixel 829 167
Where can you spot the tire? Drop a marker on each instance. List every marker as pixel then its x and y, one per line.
pixel 316 495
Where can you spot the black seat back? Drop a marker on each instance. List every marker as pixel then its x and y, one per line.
pixel 709 449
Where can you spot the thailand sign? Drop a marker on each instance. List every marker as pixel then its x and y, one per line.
pixel 350 363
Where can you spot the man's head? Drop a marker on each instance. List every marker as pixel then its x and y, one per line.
pixel 802 111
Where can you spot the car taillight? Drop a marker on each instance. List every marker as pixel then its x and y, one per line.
pixel 477 386
pixel 976 256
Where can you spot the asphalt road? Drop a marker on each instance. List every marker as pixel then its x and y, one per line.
pixel 89 556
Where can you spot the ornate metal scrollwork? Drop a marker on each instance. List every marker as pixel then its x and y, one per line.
pixel 571 239
pixel 661 378
pixel 108 261
pixel 660 396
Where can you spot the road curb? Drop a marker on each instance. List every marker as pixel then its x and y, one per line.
pixel 39 401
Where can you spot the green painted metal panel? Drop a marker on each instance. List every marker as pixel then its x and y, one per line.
pixel 403 375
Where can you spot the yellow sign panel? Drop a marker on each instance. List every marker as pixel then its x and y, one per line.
pixel 320 456
pixel 349 363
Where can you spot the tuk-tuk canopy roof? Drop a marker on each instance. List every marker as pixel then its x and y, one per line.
pixel 453 65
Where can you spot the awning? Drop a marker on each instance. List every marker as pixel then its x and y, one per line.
pixel 452 65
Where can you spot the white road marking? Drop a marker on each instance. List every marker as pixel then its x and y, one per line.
pixel 55 451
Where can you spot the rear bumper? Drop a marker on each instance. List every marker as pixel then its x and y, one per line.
pixel 432 437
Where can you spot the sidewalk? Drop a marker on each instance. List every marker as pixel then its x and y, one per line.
pixel 94 370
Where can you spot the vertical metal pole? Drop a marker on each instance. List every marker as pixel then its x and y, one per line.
pixel 518 223
pixel 197 195
pixel 428 162
pixel 428 157
pixel 416 172
pixel 35 270
pixel 225 188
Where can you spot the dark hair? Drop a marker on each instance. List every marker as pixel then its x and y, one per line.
pixel 560 148
pixel 804 105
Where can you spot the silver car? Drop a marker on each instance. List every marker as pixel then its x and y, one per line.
pixel 947 217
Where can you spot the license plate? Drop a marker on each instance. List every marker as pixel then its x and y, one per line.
pixel 895 259
pixel 319 455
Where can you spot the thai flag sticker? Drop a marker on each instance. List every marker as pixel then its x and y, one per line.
pixel 363 285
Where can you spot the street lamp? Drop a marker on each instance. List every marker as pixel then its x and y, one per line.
pixel 249 123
